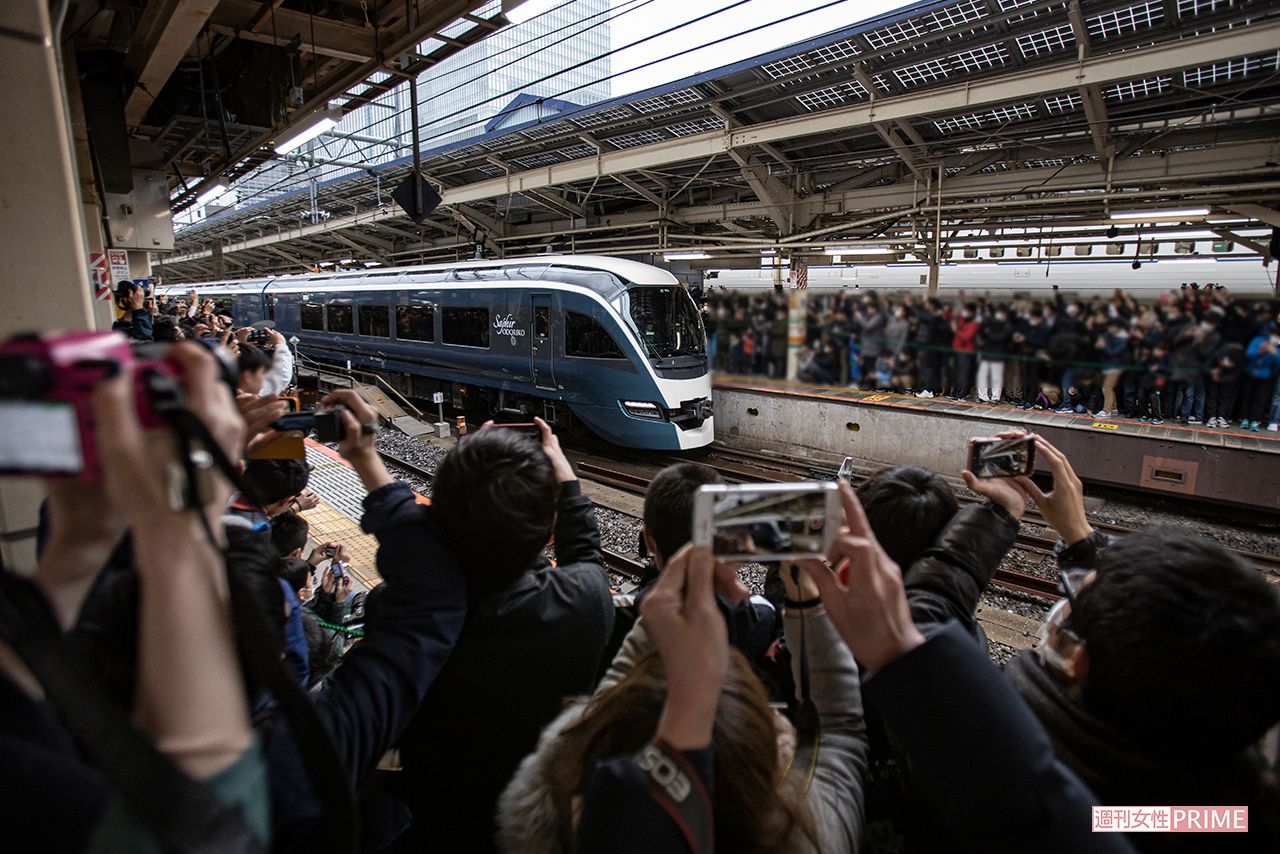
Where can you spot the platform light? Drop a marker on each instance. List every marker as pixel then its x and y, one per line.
pixel 768 251
pixel 325 264
pixel 307 130
pixel 684 256
pixel 372 263
pixel 219 189
pixel 1183 213
pixel 519 11
pixel 859 250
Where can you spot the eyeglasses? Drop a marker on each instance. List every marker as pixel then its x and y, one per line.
pixel 1071 581
pixel 1052 632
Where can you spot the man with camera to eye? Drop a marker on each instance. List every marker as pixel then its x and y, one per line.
pixel 273 376
pixel 137 311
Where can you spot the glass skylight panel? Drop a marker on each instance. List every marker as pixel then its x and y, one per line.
pixel 892 34
pixel 603 117
pixel 1131 89
pixel 577 152
pixel 835 52
pixel 662 102
pixel 786 66
pixel 958 123
pixel 1232 69
pixel 1047 41
pixel 831 96
pixel 979 58
pixel 951 16
pixel 1117 22
pixel 1013 113
pixel 491 170
pixel 533 161
pixel 546 131
pixel 1043 163
pixel 1063 103
pixel 1010 5
pixel 1190 8
pixel 695 126
pixel 631 140
pixel 924 72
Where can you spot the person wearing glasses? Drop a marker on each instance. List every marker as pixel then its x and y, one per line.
pixel 1158 673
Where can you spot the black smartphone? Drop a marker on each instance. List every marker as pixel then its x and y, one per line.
pixel 528 428
pixel 1002 457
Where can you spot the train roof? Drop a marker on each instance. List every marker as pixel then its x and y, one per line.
pixel 375 278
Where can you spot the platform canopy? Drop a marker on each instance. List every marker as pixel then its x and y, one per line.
pixel 895 134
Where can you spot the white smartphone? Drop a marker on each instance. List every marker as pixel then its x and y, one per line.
pixel 767 522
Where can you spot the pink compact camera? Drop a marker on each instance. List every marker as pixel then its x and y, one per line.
pixel 46 391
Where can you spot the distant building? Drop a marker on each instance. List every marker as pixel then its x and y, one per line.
pixel 500 75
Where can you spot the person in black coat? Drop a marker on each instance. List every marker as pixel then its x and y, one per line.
pixel 1160 673
pixel 1222 384
pixel 995 338
pixel 535 633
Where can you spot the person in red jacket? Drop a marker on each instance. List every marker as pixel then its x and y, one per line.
pixel 963 346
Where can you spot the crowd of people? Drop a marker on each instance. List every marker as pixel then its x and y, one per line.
pixel 180 673
pixel 1194 356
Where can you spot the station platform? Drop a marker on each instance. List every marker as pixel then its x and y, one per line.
pixel 1229 465
pixel 337 518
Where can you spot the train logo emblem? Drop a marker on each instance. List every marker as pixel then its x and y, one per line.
pixel 507 326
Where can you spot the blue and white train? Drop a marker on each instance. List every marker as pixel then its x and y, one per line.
pixel 614 345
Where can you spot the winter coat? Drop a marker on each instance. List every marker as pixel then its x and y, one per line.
pixel 1228 361
pixel 530 821
pixel 1260 365
pixel 1114 350
pixel 871 338
pixel 137 327
pixel 965 338
pixel 994 339
pixel 523 649
pixel 896 330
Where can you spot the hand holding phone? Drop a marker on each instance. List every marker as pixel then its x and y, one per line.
pixel 768 522
pixel 997 457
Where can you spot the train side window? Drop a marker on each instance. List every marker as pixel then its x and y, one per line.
pixel 375 321
pixel 583 336
pixel 542 321
pixel 313 316
pixel 467 327
pixel 415 323
pixel 340 317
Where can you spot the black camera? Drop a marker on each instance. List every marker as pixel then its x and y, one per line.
pixel 327 423
pixel 260 337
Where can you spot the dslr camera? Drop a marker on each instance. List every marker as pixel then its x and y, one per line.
pixel 46 393
pixel 260 337
pixel 326 422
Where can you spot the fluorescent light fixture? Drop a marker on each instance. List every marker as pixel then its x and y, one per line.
pixel 325 264
pixel 303 132
pixel 859 250
pixel 345 260
pixel 1182 213
pixel 768 251
pixel 372 263
pixel 217 190
pixel 519 11
pixel 684 256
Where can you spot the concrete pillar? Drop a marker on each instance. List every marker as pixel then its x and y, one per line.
pixel 933 276
pixel 43 253
pixel 797 328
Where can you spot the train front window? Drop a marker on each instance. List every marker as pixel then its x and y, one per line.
pixel 667 322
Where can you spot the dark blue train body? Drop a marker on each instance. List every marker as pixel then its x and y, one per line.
pixel 616 345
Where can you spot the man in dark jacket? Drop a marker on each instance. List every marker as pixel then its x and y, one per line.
pixel 1222 384
pixel 995 336
pixel 1032 341
pixel 535 633
pixel 136 312
pixel 1160 672
pixel 872 342
pixel 933 342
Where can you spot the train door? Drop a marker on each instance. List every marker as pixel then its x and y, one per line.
pixel 540 356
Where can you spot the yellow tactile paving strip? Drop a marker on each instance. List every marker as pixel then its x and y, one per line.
pixel 331 526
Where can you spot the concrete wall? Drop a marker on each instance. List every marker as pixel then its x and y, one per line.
pixel 1238 470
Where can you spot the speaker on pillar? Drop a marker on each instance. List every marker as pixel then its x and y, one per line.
pixel 406 197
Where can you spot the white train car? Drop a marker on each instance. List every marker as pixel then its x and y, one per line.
pixel 1242 276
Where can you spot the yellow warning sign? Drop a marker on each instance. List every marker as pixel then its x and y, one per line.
pixel 872 398
pixel 1102 425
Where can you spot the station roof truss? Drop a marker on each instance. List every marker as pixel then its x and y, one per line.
pixel 938 119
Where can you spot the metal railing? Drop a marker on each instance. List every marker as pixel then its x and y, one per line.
pixel 350 375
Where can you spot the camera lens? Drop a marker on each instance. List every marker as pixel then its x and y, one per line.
pixel 23 376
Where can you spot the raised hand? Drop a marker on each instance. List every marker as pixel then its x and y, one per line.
pixel 551 447
pixel 1005 491
pixel 864 595
pixel 1063 507
pixel 682 618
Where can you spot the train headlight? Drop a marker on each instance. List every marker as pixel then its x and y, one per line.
pixel 642 409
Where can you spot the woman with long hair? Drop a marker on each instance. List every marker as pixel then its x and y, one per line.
pixel 775 789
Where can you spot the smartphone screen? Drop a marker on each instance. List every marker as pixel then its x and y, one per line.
pixel 774 522
pixel 41 437
pixel 1001 457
